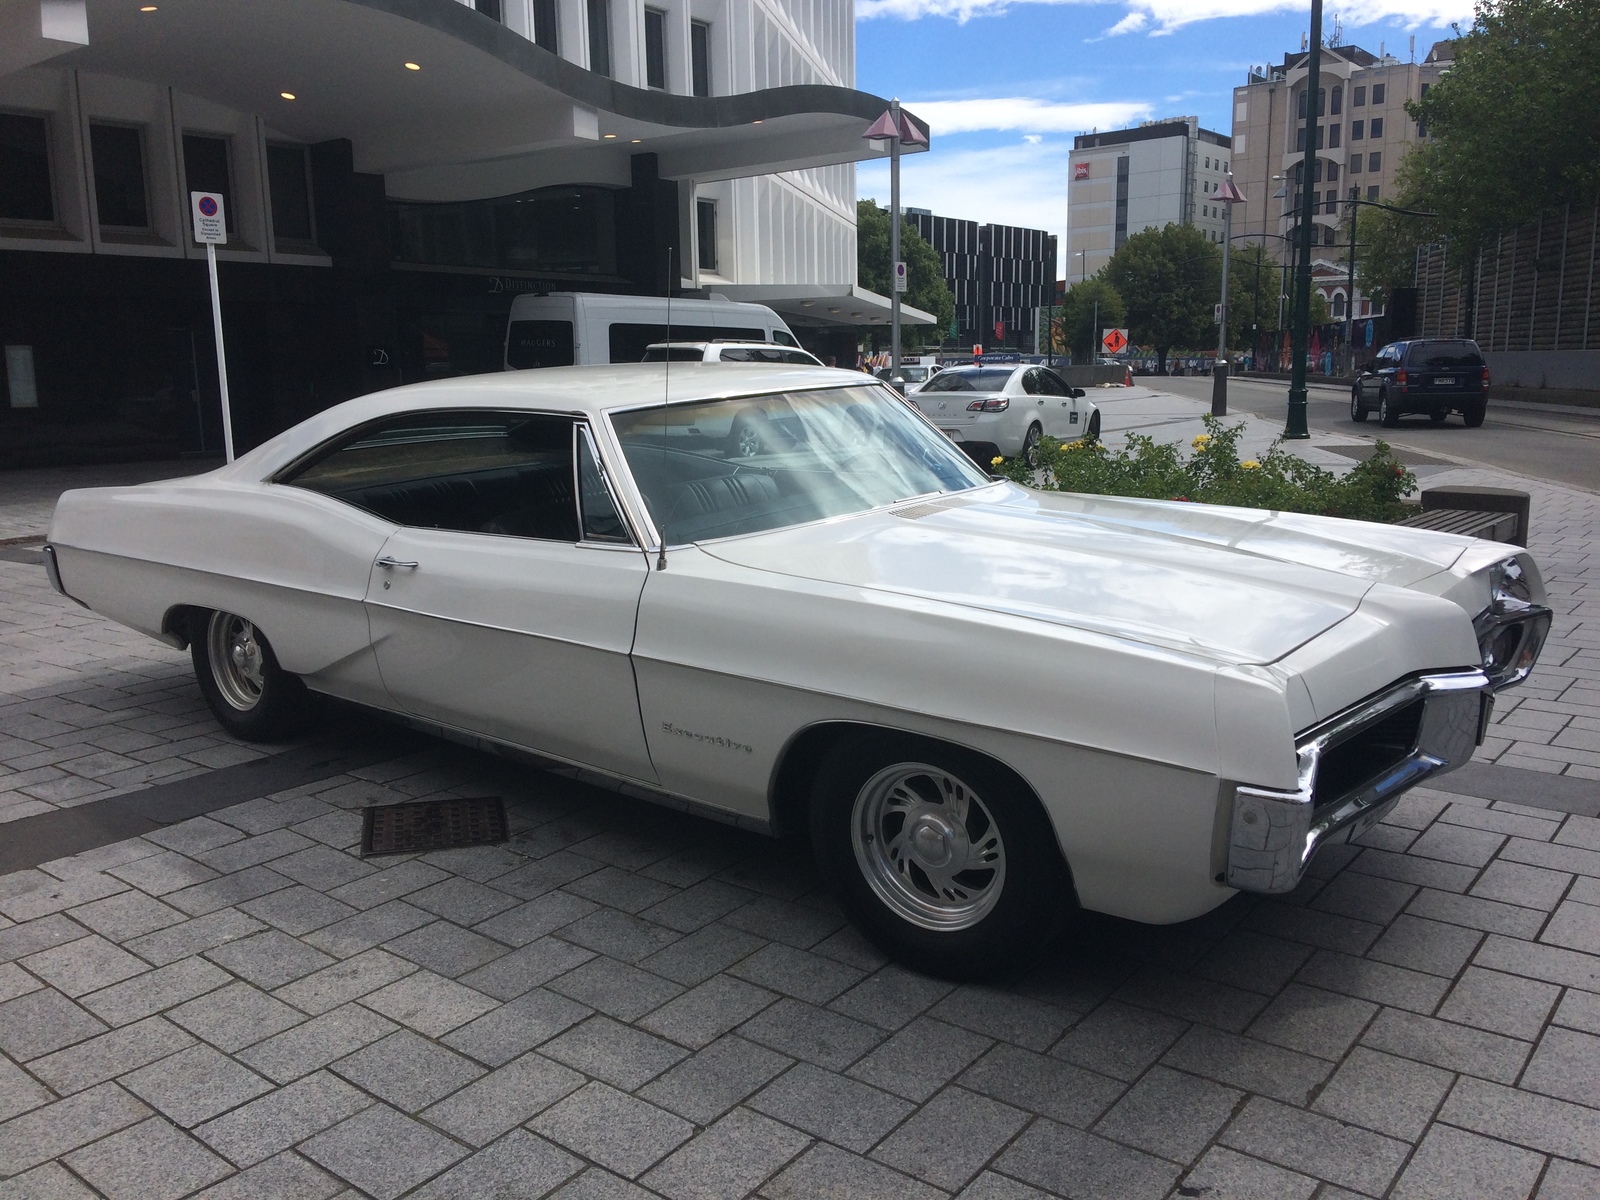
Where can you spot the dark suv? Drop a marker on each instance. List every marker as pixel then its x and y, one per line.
pixel 1437 376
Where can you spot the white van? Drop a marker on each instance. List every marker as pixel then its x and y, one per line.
pixel 559 329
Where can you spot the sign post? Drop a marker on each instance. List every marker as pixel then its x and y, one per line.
pixel 211 227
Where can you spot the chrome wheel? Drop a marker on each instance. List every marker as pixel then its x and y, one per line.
pixel 1030 445
pixel 236 660
pixel 928 846
pixel 749 441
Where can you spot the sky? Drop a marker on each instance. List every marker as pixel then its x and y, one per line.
pixel 1005 84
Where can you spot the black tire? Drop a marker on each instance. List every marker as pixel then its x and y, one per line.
pixel 1475 412
pixel 253 698
pixel 1438 418
pixel 1093 434
pixel 1030 444
pixel 1388 416
pixel 1011 911
pixel 1358 411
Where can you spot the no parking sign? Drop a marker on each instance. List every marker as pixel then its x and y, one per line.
pixel 210 222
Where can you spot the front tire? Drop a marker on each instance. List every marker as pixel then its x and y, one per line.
pixel 251 696
pixel 942 858
pixel 1358 411
pixel 1388 415
pixel 1093 434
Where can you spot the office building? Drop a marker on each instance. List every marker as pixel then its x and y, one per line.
pixel 999 276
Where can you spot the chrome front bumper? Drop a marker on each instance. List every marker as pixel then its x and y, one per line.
pixel 1353 767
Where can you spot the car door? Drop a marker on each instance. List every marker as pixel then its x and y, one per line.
pixel 504 603
pixel 1062 415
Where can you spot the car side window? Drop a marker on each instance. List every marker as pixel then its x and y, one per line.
pixel 1030 383
pixel 1050 383
pixel 471 471
pixel 602 522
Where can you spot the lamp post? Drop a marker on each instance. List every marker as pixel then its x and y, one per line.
pixel 1295 428
pixel 887 133
pixel 1227 195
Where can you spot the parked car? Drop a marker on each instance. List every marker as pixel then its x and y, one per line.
pixel 1437 376
pixel 727 352
pixel 559 329
pixel 1007 410
pixel 983 705
pixel 911 378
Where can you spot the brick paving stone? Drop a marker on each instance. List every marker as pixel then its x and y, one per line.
pixel 1069 1162
pixel 32 936
pixel 149 1161
pixel 1170 1114
pixel 446 949
pixel 1575 926
pixel 155 990
pixel 296 909
pixel 533 919
pixel 1448 1045
pixel 1313 1021
pixel 1006 1016
pixel 407 1071
pixel 316 1043
pixel 1475 912
pixel 1381 1092
pixel 828 1171
pixel 1226 1173
pixel 47 1182
pixel 84 966
pixel 235 1016
pixel 50 1131
pixel 1040 1084
pixel 1422 945
pixel 382 1152
pixel 503 1099
pixel 283 1177
pixel 1452 1163
pixel 921 1058
pixel 255 850
pixel 195 1085
pixel 14 981
pixel 369 928
pixel 228 890
pixel 344 981
pixel 620 1132
pixel 529 966
pixel 322 867
pixel 890 997
pixel 519 1164
pixel 1409 868
pixel 1119 1040
pixel 269 959
pixel 109 1055
pixel 1248 1064
pixel 619 1054
pixel 163 873
pixel 728 1160
pixel 1500 1003
pixel 1316 1145
pixel 1579 1010
pixel 194 835
pixel 706 1084
pixel 702 954
pixel 1553 964
pixel 428 1003
pixel 1397 987
pixel 1191 999
pixel 696 906
pixel 257 1131
pixel 813 1034
pixel 1569 1181
pixel 843 1111
pixel 697 1017
pixel 1253 961
pixel 1566 1064
pixel 39 1022
pixel 1364 897
pixel 19 1092
pixel 195 936
pixel 784 922
pixel 797 973
pixel 950 1138
pixel 1458 844
pixel 126 915
pixel 56 895
pixel 505 1032
pixel 620 990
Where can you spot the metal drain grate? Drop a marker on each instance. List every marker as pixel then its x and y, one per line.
pixel 432 825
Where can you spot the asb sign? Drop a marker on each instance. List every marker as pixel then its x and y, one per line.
pixel 210 221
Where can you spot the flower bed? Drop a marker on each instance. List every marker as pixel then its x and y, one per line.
pixel 1211 473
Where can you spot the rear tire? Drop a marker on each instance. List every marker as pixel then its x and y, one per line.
pixel 1358 411
pixel 1475 413
pixel 1030 444
pixel 939 856
pixel 1388 415
pixel 251 696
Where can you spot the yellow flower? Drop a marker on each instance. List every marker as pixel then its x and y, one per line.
pixel 1200 441
pixel 1250 464
pixel 996 461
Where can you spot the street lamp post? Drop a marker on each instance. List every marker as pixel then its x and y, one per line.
pixel 1228 196
pixel 1296 427
pixel 888 132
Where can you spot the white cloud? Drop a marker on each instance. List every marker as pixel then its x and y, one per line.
pixel 1023 113
pixel 961 183
pixel 1167 15
pixel 1033 139
pixel 1131 23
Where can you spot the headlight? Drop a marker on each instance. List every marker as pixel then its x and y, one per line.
pixel 1512 629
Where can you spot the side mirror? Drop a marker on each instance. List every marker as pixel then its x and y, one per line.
pixel 1075 393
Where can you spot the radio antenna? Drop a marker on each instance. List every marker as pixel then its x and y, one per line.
pixel 666 393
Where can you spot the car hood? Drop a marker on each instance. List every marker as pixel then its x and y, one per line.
pixel 1230 584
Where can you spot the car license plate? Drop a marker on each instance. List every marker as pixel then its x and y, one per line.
pixel 952 434
pixel 1444 383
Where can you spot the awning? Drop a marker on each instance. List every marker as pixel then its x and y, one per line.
pixel 821 304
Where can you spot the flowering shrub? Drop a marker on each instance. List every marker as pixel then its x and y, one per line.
pixel 1213 474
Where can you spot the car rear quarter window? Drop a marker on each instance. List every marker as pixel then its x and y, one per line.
pixel 501 473
pixel 1444 356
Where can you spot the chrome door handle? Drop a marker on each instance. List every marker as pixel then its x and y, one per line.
pixel 389 564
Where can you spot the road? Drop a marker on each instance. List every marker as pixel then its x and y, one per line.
pixel 1535 440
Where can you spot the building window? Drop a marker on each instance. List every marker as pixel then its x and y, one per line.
pixel 1375 161
pixel 1358 97
pixel 1377 93
pixel 205 168
pixel 1333 137
pixel 600 36
pixel 1338 102
pixel 1327 236
pixel 700 57
pixel 1358 130
pixel 1372 192
pixel 289 185
pixel 1321 130
pixel 1302 104
pixel 655 49
pixel 25 191
pixel 1333 172
pixel 1377 128
pixel 493 9
pixel 545 23
pixel 1355 164
pixel 119 196
pixel 705 215
pixel 22 386
pixel 1322 101
pixel 1338 304
pixel 1300 139
pixel 1120 229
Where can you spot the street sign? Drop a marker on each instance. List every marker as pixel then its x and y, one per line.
pixel 899 277
pixel 1114 341
pixel 210 222
pixel 1216 314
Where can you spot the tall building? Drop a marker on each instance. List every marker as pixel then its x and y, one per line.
pixel 1363 134
pixel 1124 181
pixel 394 173
pixel 999 275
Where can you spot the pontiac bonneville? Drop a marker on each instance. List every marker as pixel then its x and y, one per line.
pixel 780 597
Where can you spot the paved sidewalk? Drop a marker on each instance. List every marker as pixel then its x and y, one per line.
pixel 627 1002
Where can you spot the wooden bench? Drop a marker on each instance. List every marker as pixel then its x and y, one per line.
pixel 1495 514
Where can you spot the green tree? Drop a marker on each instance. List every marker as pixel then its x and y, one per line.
pixel 925 285
pixel 1512 129
pixel 1080 322
pixel 1170 280
pixel 1253 283
pixel 1386 251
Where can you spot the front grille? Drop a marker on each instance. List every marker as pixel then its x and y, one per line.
pixel 1367 753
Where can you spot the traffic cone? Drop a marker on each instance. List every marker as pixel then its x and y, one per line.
pixel 1127 378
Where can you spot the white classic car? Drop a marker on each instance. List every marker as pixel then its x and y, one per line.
pixel 1006 410
pixel 982 704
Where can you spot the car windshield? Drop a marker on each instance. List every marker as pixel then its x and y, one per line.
pixel 767 354
pixel 969 379
pixel 1445 356
pixel 721 467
